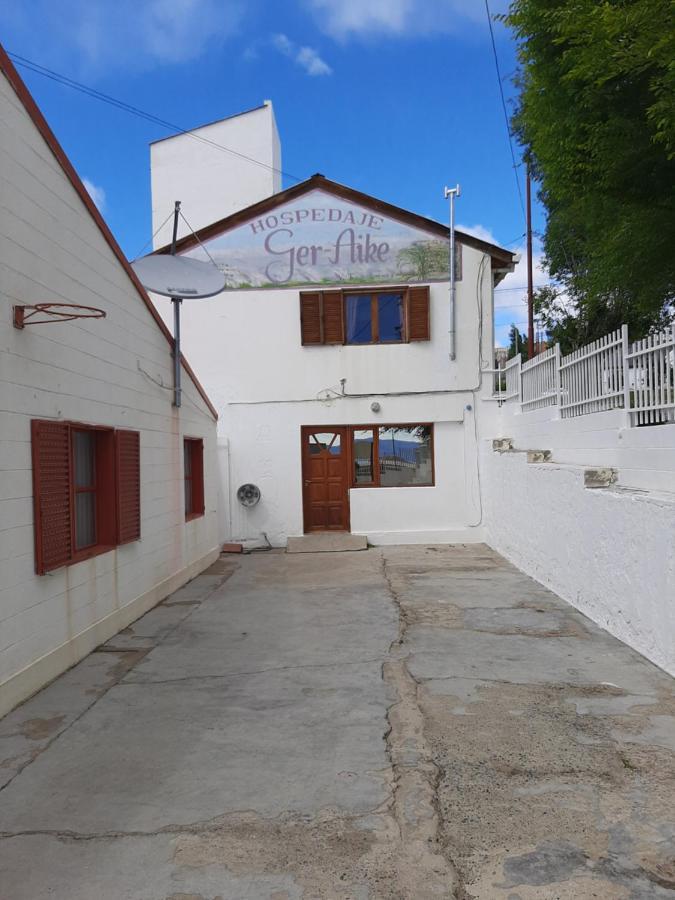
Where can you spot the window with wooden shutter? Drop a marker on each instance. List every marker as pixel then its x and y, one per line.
pixel 128 464
pixel 51 494
pixel 418 313
pixel 333 318
pixel 311 325
pixel 193 462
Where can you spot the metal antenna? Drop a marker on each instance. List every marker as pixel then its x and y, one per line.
pixel 176 301
pixel 452 193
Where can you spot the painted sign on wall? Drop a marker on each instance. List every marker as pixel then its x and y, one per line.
pixel 322 239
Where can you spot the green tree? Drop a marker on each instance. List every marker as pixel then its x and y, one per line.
pixel 423 259
pixel 517 343
pixel 596 115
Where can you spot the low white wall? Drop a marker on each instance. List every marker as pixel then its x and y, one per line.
pixel 644 457
pixel 610 552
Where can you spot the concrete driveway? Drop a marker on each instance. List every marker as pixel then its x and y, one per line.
pixel 403 723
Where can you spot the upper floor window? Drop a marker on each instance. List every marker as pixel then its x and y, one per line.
pixel 384 316
pixel 376 318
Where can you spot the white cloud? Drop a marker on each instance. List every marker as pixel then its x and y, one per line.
pixel 343 19
pixel 96 36
pixel 96 193
pixel 306 57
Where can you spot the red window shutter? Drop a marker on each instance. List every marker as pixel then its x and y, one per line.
pixel 333 318
pixel 197 477
pixel 418 313
pixel 128 469
pixel 51 494
pixel 310 317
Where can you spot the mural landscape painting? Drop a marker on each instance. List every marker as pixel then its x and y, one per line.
pixel 322 239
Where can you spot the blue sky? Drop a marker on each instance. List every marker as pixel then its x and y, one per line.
pixel 394 97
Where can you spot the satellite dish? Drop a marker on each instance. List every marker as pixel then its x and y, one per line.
pixel 180 277
pixel 248 494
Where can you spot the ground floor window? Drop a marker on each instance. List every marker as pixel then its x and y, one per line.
pixel 392 455
pixel 86 491
pixel 193 462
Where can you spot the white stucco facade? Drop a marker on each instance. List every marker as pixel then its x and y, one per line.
pixel 210 181
pixel 114 372
pixel 266 385
pixel 610 552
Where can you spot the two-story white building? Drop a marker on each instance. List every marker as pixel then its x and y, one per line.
pixel 329 355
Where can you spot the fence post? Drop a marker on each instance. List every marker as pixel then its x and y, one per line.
pixel 558 382
pixel 625 350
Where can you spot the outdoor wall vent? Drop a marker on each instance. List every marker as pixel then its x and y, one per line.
pixel 248 494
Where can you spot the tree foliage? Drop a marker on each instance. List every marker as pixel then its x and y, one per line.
pixel 596 115
pixel 517 343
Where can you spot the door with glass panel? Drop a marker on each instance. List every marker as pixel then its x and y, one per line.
pixel 325 478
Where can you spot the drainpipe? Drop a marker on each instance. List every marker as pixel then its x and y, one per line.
pixel 452 193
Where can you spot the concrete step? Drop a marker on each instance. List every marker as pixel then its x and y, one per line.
pixel 330 542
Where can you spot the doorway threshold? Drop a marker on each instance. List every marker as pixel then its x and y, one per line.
pixel 328 542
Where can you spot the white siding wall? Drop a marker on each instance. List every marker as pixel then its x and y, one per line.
pixel 247 351
pixel 105 372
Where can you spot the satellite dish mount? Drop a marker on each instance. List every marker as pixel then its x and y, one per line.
pixel 176 301
pixel 178 277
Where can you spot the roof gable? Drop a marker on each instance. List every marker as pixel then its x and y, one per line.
pixel 320 232
pixel 500 256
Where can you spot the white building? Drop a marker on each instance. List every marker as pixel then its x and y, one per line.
pixel 96 465
pixel 329 356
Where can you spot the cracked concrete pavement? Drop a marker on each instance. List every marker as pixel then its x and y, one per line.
pixel 404 723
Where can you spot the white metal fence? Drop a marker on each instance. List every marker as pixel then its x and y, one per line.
pixel 609 373
pixel 650 366
pixel 591 378
pixel 539 380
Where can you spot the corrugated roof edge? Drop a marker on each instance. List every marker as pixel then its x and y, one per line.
pixel 40 123
pixel 244 112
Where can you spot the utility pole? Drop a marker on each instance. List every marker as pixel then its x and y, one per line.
pixel 530 288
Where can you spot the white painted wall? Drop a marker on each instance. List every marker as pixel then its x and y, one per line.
pixel 246 348
pixel 608 552
pixel 106 372
pixel 644 457
pixel 210 182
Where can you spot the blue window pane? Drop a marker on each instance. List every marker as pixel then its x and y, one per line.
pixel 359 327
pixel 405 456
pixel 390 315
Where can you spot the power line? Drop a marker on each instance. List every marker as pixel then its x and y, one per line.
pixel 140 113
pixel 506 115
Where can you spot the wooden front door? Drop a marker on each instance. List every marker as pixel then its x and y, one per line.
pixel 325 478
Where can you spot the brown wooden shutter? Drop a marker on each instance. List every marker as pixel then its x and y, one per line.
pixel 197 477
pixel 51 494
pixel 128 466
pixel 333 318
pixel 418 313
pixel 310 317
